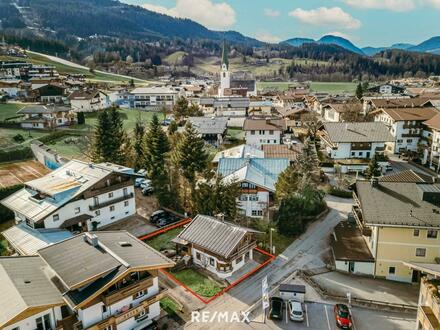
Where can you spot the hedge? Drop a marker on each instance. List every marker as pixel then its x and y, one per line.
pixel 16 154
pixel 5 213
pixel 55 136
pixel 340 192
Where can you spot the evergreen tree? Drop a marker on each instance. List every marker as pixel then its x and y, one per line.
pixel 81 118
pixel 373 169
pixel 172 128
pixel 100 152
pixel 138 145
pixel 308 164
pixel 288 182
pixel 156 150
pixel 117 141
pixel 289 219
pixel 180 109
pixel 359 91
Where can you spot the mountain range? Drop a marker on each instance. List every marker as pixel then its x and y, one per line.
pixel 431 45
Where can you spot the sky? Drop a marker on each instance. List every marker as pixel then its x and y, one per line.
pixel 374 23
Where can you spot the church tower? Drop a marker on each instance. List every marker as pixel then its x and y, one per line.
pixel 225 76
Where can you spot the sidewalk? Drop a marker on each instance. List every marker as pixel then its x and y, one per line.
pixel 339 284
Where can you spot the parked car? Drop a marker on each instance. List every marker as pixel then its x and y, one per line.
pixel 296 312
pixel 166 122
pixel 146 183
pixel 167 219
pixel 342 316
pixel 276 308
pixel 146 191
pixel 138 182
pixel 156 216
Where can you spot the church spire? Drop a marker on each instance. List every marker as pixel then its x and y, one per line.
pixel 225 59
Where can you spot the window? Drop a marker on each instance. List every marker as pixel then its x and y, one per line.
pixel 238 260
pixel 257 213
pixel 110 195
pixel 139 294
pixel 416 233
pixel 212 261
pixel 112 208
pixel 125 191
pixel 43 323
pixel 77 210
pixel 431 233
pixel 252 132
pixel 104 309
pixel 399 141
pixel 391 270
pixel 409 141
pixel 253 198
pixel 243 198
pixel 96 201
pixel 126 203
pixel 97 212
pixel 270 132
pixel 56 217
pixel 420 252
pixel 198 256
pixel 353 153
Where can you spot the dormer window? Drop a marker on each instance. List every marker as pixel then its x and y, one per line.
pixel 56 217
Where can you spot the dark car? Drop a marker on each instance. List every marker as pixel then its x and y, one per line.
pixel 157 215
pixel 167 219
pixel 276 308
pixel 342 316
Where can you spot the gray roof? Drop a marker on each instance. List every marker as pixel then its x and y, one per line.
pixel 206 125
pixel 398 204
pixel 42 109
pixel 348 243
pixel 108 256
pixel 358 132
pixel 216 236
pixel 240 151
pixel 407 176
pixel 23 285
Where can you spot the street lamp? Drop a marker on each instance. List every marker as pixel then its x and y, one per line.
pixel 270 239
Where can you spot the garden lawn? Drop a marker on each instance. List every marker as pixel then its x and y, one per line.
pixel 197 282
pixel 163 241
pixel 168 306
pixel 9 110
pixel 7 134
pixel 3 241
pixel 328 87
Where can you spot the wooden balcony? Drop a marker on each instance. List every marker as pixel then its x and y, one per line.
pixel 130 290
pixel 132 311
pixel 106 189
pixel 111 202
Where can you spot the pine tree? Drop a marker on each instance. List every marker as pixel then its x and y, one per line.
pixel 117 140
pixel 100 152
pixel 157 149
pixel 288 182
pixel 138 145
pixel 172 128
pixel 81 118
pixel 359 91
pixel 308 164
pixel 373 169
pixel 181 108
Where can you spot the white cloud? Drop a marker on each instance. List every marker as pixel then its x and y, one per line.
pixel 218 16
pixel 267 37
pixel 271 12
pixel 393 5
pixel 335 17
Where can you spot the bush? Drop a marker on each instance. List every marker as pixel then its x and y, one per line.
pixel 5 213
pixel 54 136
pixel 16 154
pixel 18 138
pixel 339 192
pixel 81 118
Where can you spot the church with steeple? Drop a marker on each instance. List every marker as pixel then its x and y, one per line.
pixel 239 84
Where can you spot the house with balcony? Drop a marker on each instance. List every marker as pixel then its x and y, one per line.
pixel 354 140
pixel 39 116
pixel 94 280
pixel 88 100
pixel 218 246
pixel 153 98
pixel 77 196
pixel 405 125
pixel 432 132
pixel 400 222
pixel 211 129
pixel 428 307
pixel 49 93
pixel 263 131
pixel 257 178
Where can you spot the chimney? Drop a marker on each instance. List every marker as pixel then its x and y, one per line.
pixel 374 182
pixel 92 239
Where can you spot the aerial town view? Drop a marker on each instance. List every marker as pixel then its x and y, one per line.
pixel 219 164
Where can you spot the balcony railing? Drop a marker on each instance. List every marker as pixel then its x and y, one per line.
pixel 111 202
pixel 130 290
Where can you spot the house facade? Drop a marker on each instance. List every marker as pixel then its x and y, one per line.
pixel 217 246
pixel 77 196
pixel 354 140
pixel 433 137
pixel 40 116
pixel 400 222
pixel 257 178
pixel 153 98
pixel 88 101
pixel 263 131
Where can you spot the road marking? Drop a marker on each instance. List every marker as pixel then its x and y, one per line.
pixel 352 318
pixel 307 316
pixel 287 313
pixel 326 315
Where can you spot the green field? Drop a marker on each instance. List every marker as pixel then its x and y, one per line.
pixel 163 241
pixel 197 282
pixel 9 110
pixel 328 87
pixel 66 69
pixel 175 58
pixel 7 134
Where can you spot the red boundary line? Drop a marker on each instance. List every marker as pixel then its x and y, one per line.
pixel 218 294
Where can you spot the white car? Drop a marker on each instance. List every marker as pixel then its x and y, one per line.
pixel 296 312
pixel 138 182
pixel 146 184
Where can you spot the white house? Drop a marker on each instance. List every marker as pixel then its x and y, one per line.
pixel 433 126
pixel 78 196
pixel 11 87
pixel 355 140
pixel 257 178
pixel 153 98
pixel 38 116
pixel 263 131
pixel 405 125
pixel 89 101
pixel 218 246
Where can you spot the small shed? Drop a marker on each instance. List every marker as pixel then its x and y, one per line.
pixel 294 292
